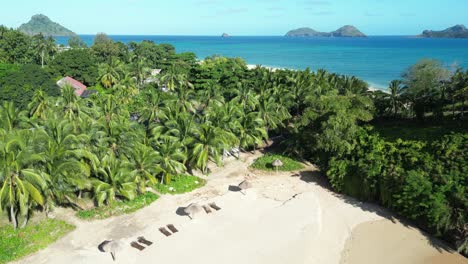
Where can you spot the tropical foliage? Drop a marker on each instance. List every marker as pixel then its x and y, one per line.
pixel 144 129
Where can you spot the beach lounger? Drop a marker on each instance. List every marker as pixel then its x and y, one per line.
pixel 214 206
pixel 172 228
pixel 143 240
pixel 164 231
pixel 137 246
pixel 207 209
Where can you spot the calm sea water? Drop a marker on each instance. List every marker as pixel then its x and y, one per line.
pixel 378 60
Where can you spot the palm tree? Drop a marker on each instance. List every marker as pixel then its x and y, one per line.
pixel 22 184
pixel 251 130
pixel 171 158
pixel 63 153
pixel 210 142
pixel 44 47
pixel 11 117
pixel 272 113
pixel 114 180
pixel 39 105
pixel 110 73
pixel 127 89
pixel 73 108
pixel 246 97
pixel 140 71
pixel 151 110
pixel 145 162
pixel 396 90
pixel 173 79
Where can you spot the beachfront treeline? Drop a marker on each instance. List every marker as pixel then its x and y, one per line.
pixel 140 129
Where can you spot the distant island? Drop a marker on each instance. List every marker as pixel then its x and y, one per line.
pixel 345 31
pixel 225 35
pixel 42 24
pixel 458 31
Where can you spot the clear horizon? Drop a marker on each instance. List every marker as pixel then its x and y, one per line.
pixel 258 18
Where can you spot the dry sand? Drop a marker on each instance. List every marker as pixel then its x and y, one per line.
pixel 387 242
pixel 283 219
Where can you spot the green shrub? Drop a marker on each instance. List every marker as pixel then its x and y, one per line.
pixel 32 238
pixel 118 208
pixel 265 163
pixel 420 181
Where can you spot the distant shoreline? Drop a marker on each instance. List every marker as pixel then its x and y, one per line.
pixel 372 87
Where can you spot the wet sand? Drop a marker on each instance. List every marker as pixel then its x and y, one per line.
pixel 387 242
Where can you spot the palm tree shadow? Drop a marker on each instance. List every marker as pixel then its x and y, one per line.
pixel 317 178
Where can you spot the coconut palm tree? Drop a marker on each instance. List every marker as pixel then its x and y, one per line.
pixel 63 154
pixel 114 180
pixel 250 130
pixel 39 105
pixel 173 79
pixel 139 70
pixel 22 185
pixel 151 111
pixel 110 73
pixel 145 162
pixel 171 158
pixel 11 117
pixel 396 89
pixel 44 47
pixel 210 142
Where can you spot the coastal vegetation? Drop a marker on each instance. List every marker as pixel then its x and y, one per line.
pixel 118 208
pixel 145 130
pixel 32 238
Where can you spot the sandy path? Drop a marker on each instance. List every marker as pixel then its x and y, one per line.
pixel 283 219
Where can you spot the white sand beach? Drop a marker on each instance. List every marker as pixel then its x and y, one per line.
pixel 285 218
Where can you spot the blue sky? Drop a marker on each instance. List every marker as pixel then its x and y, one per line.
pixel 239 17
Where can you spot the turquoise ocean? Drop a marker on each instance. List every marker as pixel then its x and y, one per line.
pixel 377 60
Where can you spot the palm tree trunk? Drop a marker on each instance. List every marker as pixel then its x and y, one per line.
pixel 42 59
pixel 13 217
pixel 25 222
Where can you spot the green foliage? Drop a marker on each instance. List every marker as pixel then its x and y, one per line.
pixel 180 184
pixel 79 64
pixel 16 244
pixel 118 208
pixel 266 163
pixel 76 42
pixel 19 85
pixel 15 47
pixel 425 182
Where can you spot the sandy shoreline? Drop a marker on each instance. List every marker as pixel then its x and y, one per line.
pixel 252 66
pixel 388 242
pixel 284 218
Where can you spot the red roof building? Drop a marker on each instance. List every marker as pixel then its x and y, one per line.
pixel 78 86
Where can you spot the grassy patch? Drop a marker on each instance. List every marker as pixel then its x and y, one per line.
pixel 32 238
pixel 265 163
pixel 118 208
pixel 180 184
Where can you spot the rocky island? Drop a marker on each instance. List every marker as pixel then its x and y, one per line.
pixel 345 31
pixel 458 31
pixel 225 35
pixel 42 24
